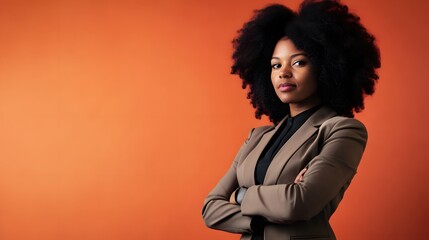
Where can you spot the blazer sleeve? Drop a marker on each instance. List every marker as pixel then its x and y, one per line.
pixel 328 175
pixel 218 212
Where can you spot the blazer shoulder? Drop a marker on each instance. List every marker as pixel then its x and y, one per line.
pixel 256 133
pixel 339 123
pixel 343 121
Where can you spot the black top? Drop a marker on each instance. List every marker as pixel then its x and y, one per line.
pixel 283 134
pixel 285 131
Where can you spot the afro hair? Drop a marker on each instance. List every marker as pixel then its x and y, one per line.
pixel 342 50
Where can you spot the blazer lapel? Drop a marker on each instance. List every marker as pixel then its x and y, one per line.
pixel 249 164
pixel 309 128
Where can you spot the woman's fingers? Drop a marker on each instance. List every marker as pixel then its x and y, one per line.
pixel 300 176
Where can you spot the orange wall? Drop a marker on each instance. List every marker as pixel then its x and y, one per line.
pixel 118 117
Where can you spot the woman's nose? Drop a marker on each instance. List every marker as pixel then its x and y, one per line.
pixel 285 73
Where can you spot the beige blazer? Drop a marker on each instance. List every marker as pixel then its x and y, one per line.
pixel 330 146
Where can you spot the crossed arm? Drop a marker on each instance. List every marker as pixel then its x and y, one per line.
pixel 238 195
pixel 327 176
pixel 218 213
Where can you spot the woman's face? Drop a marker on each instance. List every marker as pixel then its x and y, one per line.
pixel 293 76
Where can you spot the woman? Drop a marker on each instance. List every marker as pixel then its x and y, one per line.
pixel 287 179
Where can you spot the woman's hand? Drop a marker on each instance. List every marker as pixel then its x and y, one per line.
pixel 300 176
pixel 238 195
pixel 232 197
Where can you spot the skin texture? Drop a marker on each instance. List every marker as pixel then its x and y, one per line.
pixel 293 77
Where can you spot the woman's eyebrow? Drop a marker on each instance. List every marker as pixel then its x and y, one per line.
pixel 292 56
pixel 298 54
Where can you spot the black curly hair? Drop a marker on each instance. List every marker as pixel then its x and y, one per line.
pixel 342 50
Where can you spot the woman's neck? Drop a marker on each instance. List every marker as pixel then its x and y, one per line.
pixel 297 108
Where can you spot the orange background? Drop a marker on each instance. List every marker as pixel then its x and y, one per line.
pixel 118 117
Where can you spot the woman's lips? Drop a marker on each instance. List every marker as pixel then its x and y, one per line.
pixel 286 87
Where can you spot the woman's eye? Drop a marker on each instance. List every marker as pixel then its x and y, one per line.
pixel 299 63
pixel 275 66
